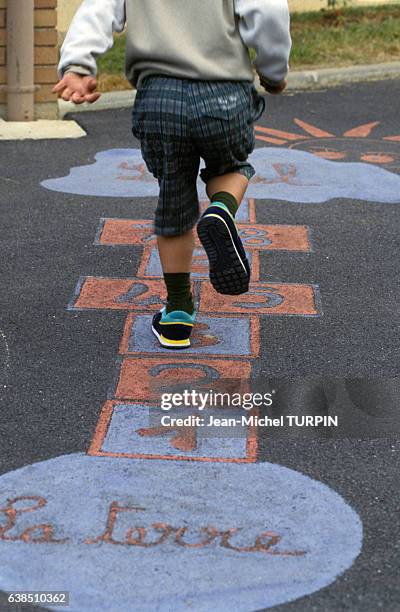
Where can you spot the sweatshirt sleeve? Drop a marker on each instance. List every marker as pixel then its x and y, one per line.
pixel 91 34
pixel 264 25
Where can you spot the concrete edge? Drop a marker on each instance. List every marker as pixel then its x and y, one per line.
pixel 329 77
pixel 40 130
pixel 107 101
pixel 297 81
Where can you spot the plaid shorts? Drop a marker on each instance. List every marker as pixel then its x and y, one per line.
pixel 179 121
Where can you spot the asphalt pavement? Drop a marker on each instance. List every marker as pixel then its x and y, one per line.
pixel 320 328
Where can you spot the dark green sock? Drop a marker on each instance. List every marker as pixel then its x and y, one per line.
pixel 228 199
pixel 179 291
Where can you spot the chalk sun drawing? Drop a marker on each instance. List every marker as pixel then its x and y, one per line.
pixel 353 145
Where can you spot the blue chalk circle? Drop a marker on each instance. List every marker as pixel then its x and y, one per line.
pixel 281 174
pixel 159 535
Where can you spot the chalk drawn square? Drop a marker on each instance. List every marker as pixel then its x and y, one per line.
pixel 118 294
pixel 275 237
pixel 289 299
pixel 127 232
pixel 114 231
pixel 147 378
pixel 123 432
pixel 212 335
pixel 151 264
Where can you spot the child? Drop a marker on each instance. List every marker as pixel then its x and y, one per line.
pixel 195 99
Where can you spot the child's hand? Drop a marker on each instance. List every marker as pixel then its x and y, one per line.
pixel 273 89
pixel 77 88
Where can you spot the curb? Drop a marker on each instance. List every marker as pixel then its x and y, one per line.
pixel 40 129
pixel 297 81
pixel 329 77
pixel 108 101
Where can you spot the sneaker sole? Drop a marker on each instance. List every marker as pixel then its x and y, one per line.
pixel 228 274
pixel 181 344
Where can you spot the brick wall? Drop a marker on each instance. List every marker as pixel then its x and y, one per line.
pixel 46 57
pixel 3 35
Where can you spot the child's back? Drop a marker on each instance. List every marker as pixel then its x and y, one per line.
pixel 195 39
pixel 185 38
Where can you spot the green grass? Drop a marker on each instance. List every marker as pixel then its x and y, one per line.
pixel 334 37
pixel 113 61
pixel 345 36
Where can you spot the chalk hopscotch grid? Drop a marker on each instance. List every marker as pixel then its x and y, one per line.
pixel 139 233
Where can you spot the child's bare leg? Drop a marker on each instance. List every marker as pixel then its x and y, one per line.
pixel 176 252
pixel 233 183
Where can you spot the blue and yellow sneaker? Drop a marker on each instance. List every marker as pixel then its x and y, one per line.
pixel 229 267
pixel 173 329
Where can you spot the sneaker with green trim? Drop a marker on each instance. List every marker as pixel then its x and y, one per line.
pixel 229 267
pixel 173 330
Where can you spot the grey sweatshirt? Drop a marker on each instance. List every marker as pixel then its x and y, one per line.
pixel 195 39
